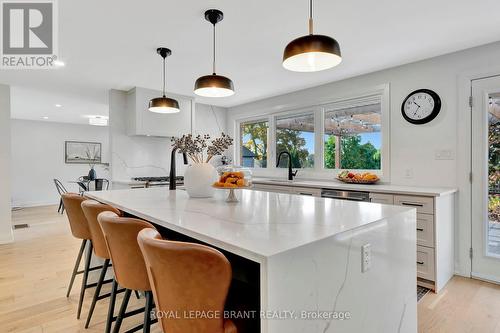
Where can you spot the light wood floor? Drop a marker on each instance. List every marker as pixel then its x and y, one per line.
pixel 35 270
pixel 34 276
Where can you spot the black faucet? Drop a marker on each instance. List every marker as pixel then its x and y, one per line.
pixel 291 174
pixel 171 180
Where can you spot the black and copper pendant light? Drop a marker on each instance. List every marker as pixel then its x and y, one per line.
pixel 164 104
pixel 311 53
pixel 214 85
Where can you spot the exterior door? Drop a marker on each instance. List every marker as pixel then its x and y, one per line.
pixel 486 179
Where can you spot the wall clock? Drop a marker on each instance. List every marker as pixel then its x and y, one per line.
pixel 421 106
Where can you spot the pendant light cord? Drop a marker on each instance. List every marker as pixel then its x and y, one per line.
pixel 213 65
pixel 164 76
pixel 311 31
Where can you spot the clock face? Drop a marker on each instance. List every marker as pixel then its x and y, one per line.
pixel 421 106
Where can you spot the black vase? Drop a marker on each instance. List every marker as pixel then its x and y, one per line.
pixel 92 174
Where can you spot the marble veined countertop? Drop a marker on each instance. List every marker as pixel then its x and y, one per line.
pixel 261 225
pixel 377 188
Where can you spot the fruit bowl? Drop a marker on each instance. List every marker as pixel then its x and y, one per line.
pixel 232 195
pixel 358 178
pixel 232 178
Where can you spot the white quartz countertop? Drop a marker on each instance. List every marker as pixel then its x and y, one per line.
pixel 261 225
pixel 377 188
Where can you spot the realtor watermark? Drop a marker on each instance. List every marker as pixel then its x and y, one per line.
pixel 266 315
pixel 29 34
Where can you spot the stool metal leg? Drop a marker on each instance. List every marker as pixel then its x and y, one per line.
pixel 123 308
pixel 147 311
pixel 77 264
pixel 97 291
pixel 111 309
pixel 84 280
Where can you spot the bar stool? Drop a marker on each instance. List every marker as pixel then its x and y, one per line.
pixel 187 277
pixel 80 229
pixel 120 234
pixel 91 209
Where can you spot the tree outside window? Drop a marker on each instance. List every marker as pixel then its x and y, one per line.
pixel 254 144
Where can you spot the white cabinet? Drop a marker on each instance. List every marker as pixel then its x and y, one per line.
pixel 143 122
pixel 314 192
pixel 382 198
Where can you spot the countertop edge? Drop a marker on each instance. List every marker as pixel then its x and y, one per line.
pixel 327 184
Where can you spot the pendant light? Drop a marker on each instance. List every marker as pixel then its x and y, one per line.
pixel 214 85
pixel 163 104
pixel 311 53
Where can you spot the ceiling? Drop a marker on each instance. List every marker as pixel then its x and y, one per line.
pixel 111 44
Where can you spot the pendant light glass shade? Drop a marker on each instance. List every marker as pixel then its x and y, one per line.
pixel 214 85
pixel 311 53
pixel 163 104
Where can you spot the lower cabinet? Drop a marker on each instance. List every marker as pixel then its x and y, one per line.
pixel 314 192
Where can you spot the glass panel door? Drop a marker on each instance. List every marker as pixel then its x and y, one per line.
pixel 486 179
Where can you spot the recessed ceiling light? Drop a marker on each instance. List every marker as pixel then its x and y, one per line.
pixel 98 121
pixel 58 105
pixel 45 117
pixel 59 63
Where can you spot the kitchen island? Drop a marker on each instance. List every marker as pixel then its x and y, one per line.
pixel 307 250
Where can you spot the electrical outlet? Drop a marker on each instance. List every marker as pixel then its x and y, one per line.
pixel 444 154
pixel 366 258
pixel 408 173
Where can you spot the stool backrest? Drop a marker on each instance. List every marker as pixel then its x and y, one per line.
pixel 120 234
pixel 186 277
pixel 92 209
pixel 77 221
pixel 60 187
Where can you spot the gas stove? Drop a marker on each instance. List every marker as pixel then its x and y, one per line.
pixel 158 181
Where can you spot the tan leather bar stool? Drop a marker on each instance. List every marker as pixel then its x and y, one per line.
pixel 80 229
pixel 120 234
pixel 187 277
pixel 91 210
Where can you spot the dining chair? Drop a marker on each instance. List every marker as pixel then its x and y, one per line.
pixel 187 277
pixel 61 190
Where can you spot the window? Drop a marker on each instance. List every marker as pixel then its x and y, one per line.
pixel 253 147
pixel 295 134
pixel 353 138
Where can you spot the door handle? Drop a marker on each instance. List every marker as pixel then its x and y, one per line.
pixel 420 229
pixel 420 262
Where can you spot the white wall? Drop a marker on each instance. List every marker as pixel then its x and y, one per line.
pixel 38 158
pixel 413 147
pixel 135 156
pixel 5 205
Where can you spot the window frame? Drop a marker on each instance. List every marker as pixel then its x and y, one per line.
pixel 381 92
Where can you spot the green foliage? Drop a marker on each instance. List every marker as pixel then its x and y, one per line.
pixel 290 140
pixel 354 155
pixel 257 143
pixel 494 155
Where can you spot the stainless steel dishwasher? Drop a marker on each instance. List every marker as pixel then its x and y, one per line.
pixel 345 195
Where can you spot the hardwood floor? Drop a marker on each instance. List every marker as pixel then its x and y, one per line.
pixel 34 276
pixel 35 271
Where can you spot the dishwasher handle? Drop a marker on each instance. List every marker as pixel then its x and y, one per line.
pixel 343 198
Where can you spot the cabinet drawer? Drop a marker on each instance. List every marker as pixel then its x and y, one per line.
pixel 315 192
pixel 425 230
pixel 381 198
pixel 422 204
pixel 425 263
pixel 271 188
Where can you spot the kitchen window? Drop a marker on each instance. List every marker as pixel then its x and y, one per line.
pixel 295 134
pixel 353 137
pixel 253 144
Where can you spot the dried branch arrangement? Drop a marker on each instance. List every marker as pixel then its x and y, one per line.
pixel 195 146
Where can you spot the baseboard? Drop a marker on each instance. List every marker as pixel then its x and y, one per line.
pixel 7 239
pixel 29 204
pixel 486 277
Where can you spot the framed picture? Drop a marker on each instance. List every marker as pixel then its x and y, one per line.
pixel 77 152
